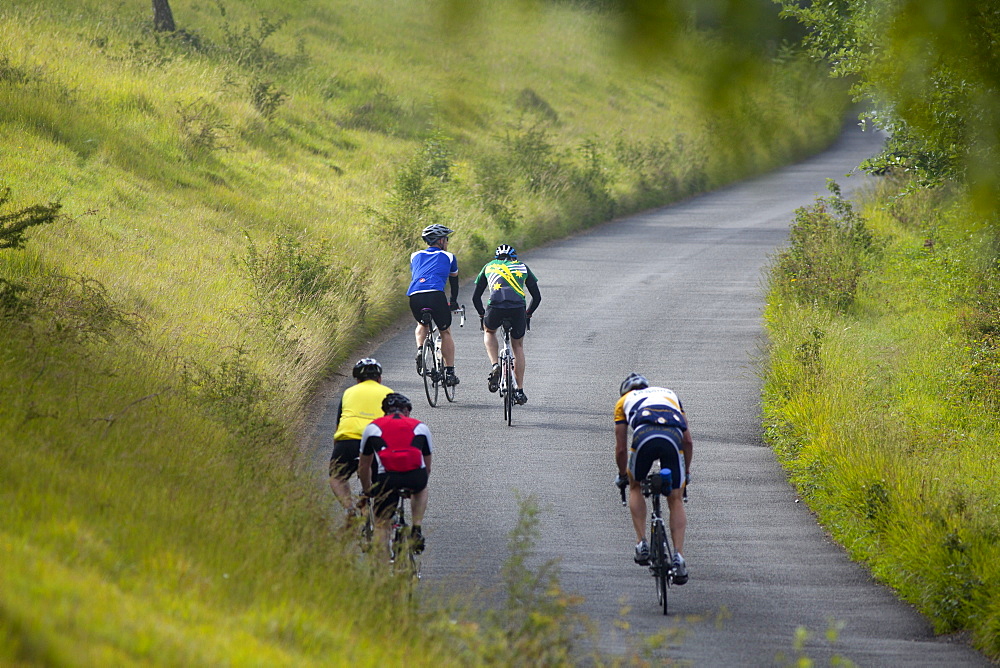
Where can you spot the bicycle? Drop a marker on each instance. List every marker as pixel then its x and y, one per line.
pixel 401 547
pixel 661 552
pixel 399 535
pixel 432 359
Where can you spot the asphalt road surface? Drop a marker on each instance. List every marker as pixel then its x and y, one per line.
pixel 675 294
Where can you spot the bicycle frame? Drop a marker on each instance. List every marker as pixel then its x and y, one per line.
pixel 432 359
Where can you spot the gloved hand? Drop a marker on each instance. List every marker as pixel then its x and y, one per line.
pixel 621 482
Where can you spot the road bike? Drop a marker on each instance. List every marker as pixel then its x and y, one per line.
pixel 430 361
pixel 402 552
pixel 661 552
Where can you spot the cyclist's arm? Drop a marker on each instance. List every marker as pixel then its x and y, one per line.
pixel 453 281
pixel 688 446
pixel 621 447
pixel 365 472
pixel 477 295
pixel 427 463
pixel 536 295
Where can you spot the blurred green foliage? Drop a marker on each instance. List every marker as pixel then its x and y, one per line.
pixel 931 72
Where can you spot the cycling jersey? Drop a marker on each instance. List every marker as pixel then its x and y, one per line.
pixel 359 405
pixel 508 282
pixel 431 269
pixel 399 443
pixel 654 406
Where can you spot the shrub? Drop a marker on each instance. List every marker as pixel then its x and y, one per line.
pixel 827 255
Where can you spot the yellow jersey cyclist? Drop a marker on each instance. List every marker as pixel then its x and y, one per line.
pixel 431 269
pixel 659 432
pixel 509 281
pixel 360 404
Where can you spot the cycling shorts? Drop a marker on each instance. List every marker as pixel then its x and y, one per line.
pixel 651 444
pixel 385 491
pixel 437 302
pixel 344 460
pixel 518 319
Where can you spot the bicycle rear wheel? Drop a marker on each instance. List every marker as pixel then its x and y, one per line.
pixel 661 563
pixel 508 395
pixel 432 372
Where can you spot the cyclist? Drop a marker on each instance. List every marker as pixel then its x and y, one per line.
pixel 659 432
pixel 508 280
pixel 431 269
pixel 360 404
pixel 401 446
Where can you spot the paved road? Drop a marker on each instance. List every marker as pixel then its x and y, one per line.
pixel 682 286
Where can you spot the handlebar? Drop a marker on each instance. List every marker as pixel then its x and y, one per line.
pixel 461 312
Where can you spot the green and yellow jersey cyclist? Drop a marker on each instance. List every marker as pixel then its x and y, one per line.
pixel 508 281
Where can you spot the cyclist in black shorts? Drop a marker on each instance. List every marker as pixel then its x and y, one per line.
pixel 508 281
pixel 659 432
pixel 360 404
pixel 401 446
pixel 431 269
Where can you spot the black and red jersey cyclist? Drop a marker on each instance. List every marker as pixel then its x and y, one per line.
pixel 508 281
pixel 401 446
pixel 430 270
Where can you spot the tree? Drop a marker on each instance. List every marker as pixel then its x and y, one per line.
pixel 163 18
pixel 932 73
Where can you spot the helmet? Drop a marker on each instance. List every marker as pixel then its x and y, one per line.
pixel 367 368
pixel 394 401
pixel 434 232
pixel 504 249
pixel 633 382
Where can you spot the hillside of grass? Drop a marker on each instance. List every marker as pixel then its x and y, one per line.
pixel 882 392
pixel 224 213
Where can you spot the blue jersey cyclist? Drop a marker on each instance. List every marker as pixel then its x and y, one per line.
pixel 508 281
pixel 431 269
pixel 659 432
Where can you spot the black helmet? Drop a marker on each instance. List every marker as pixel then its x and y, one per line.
pixel 367 368
pixel 434 232
pixel 505 249
pixel 394 401
pixel 633 382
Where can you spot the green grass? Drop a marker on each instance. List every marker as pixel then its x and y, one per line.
pixel 237 204
pixel 884 406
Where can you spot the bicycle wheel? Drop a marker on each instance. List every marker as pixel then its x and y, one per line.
pixel 432 372
pixel 660 563
pixel 507 381
pixel 449 390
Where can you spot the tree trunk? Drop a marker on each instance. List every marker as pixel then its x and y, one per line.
pixel 163 18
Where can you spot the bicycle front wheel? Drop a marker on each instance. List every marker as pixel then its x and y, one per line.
pixel 432 372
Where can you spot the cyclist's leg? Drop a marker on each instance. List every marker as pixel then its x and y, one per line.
pixel 384 497
pixel 678 519
pixel 418 301
pixel 447 347
pixel 517 345
pixel 640 461
pixel 672 459
pixel 343 464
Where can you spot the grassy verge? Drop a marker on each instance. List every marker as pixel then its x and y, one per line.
pixel 236 203
pixel 882 394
